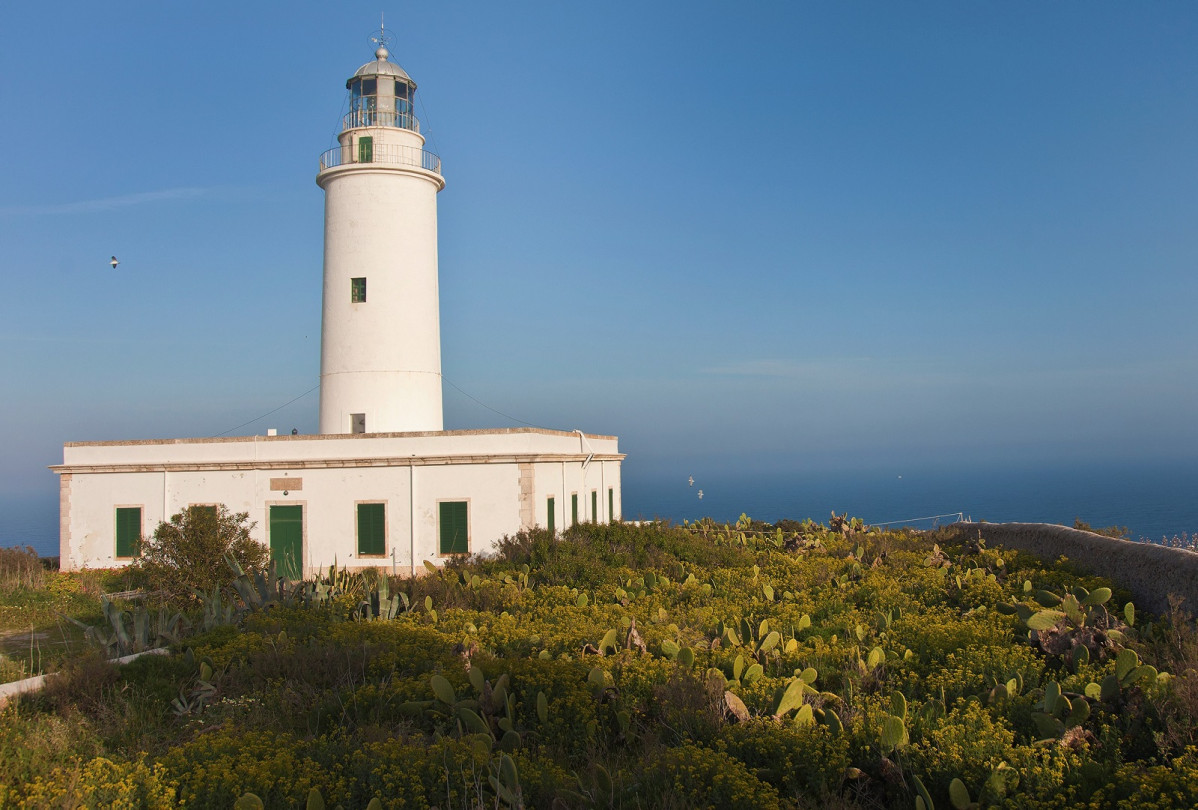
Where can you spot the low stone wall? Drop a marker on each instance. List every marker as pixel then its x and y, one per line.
pixel 15 689
pixel 1149 571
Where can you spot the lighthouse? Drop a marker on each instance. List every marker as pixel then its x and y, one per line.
pixel 384 485
pixel 380 346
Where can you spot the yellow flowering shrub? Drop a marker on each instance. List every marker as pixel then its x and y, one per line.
pixel 800 761
pixel 103 784
pixel 215 768
pixel 975 670
pixel 1152 787
pixel 33 744
pixel 541 779
pixel 967 744
pixel 312 697
pixel 703 779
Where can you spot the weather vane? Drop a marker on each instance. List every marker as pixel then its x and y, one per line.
pixel 381 39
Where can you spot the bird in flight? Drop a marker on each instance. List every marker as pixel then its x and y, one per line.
pixel 690 481
pixel 114 262
pixel 700 494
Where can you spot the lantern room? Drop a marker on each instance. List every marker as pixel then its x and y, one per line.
pixel 381 94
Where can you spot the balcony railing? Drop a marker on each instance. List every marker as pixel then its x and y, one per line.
pixel 380 118
pixel 388 154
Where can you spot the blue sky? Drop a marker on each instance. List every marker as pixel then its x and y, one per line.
pixel 769 235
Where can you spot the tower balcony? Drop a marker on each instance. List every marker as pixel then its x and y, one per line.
pixel 385 154
pixel 368 117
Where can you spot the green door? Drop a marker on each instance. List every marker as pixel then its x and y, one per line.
pixel 287 540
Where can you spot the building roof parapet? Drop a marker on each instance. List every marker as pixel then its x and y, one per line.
pixel 340 437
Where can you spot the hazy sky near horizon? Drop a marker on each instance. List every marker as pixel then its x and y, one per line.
pixel 777 234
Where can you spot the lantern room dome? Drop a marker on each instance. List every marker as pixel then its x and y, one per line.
pixel 381 66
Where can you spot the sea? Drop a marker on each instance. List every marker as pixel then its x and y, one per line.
pixel 1152 500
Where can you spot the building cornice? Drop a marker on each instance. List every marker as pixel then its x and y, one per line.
pixel 336 463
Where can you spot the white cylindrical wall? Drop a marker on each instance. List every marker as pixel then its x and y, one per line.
pixel 380 357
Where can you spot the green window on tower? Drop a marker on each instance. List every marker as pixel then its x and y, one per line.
pixel 549 509
pixel 611 504
pixel 366 149
pixel 573 508
pixel 594 506
pixel 357 290
pixel 455 527
pixel 128 531
pixel 372 529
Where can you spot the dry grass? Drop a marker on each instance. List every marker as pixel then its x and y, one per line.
pixel 1174 645
pixel 20 568
pixel 1189 542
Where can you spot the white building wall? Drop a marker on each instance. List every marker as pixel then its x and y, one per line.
pixel 492 492
pixel 329 476
pixel 89 539
pixel 331 516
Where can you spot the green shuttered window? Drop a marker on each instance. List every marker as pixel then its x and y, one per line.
pixel 372 532
pixel 573 508
pixel 287 539
pixel 611 504
pixel 550 512
pixel 366 149
pixel 455 534
pixel 128 531
pixel 594 506
pixel 357 290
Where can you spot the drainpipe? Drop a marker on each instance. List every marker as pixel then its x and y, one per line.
pixel 586 446
pixel 412 516
pixel 603 491
pixel 590 451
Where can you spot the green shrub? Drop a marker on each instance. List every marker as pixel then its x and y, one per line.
pixel 1120 532
pixel 188 552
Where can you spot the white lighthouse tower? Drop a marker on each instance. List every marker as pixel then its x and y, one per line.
pixel 380 348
